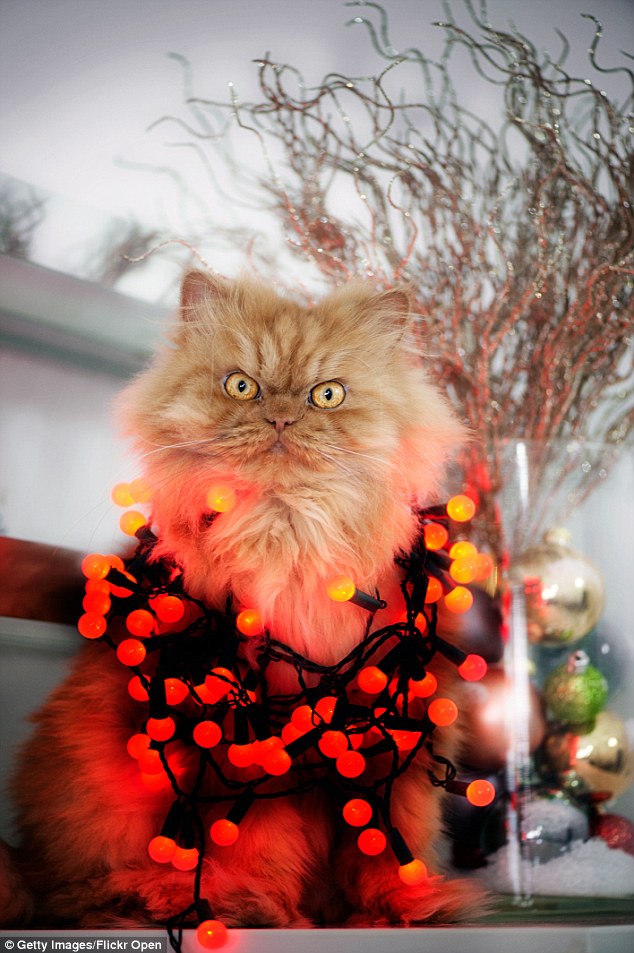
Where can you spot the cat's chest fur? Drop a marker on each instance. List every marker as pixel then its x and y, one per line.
pixel 277 549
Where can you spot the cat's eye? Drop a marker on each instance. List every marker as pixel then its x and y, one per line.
pixel 241 387
pixel 328 395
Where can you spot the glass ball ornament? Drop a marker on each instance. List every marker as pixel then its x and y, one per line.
pixel 596 761
pixel 563 591
pixel 576 691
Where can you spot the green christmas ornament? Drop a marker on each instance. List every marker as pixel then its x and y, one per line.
pixel 576 691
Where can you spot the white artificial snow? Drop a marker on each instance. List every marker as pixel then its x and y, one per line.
pixel 588 869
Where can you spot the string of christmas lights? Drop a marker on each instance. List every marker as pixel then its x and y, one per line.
pixel 350 729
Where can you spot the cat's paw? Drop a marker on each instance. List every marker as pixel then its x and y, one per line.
pixel 435 900
pixel 250 909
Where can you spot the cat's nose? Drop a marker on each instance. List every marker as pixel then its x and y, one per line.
pixel 280 423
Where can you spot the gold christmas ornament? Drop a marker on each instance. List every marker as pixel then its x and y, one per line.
pixel 563 591
pixel 600 760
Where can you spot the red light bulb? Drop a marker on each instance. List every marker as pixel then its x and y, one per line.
pixel 325 709
pixel 241 756
pixel 473 668
pixel 97 602
pixel 160 729
pixel 140 622
pixel 137 745
pixel 185 858
pixel 480 793
pixel 372 680
pixel 435 536
pixel 372 841
pixel 212 934
pixel 302 718
pixel 161 849
pixel 95 566
pixel 168 608
pixel 150 762
pixel 350 764
pixel 442 712
pixel 276 761
pixel 423 687
pixel 224 833
pixel 176 691
pixel 137 690
pixel 333 743
pixel 218 683
pixel 91 625
pixel 131 652
pixel 207 734
pixel 357 812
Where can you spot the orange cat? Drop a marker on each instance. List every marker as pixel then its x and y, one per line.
pixel 323 423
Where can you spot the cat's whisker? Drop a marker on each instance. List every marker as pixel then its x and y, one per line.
pixel 366 456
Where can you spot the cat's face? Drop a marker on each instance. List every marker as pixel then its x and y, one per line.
pixel 269 388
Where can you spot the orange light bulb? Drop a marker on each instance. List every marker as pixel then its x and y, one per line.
pixel 120 494
pixel 442 712
pixel 357 812
pixel 484 566
pixel 435 536
pixel 207 734
pixel 221 498
pixel 131 522
pixel 462 548
pixel 372 680
pixel 480 793
pixel 405 740
pixel 161 849
pixel 212 934
pixel 413 873
pixel 350 764
pixel 131 652
pixel 461 508
pixel 140 622
pixel 140 491
pixel 95 566
pixel 372 841
pixel 423 687
pixel 464 569
pixel 224 833
pixel 341 589
pixel 91 625
pixel 249 622
pixel 459 600
pixel 160 729
pixel 473 668
pixel 434 590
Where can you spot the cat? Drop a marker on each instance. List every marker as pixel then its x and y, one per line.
pixel 322 421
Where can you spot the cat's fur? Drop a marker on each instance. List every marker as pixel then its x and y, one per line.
pixel 320 492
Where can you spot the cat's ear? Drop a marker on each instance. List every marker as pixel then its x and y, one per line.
pixel 399 303
pixel 198 288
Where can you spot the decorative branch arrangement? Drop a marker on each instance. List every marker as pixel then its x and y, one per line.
pixel 517 241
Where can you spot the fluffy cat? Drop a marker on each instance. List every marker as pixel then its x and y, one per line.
pixel 322 421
